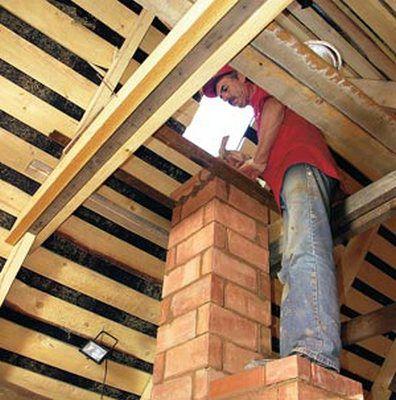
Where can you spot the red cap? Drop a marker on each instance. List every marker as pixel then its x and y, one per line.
pixel 209 89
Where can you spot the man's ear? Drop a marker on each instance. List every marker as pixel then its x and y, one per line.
pixel 240 77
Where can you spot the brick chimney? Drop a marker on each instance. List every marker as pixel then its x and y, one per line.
pixel 216 309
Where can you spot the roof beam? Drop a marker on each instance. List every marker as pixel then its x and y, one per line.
pixel 330 84
pixel 170 75
pixel 366 326
pixel 382 92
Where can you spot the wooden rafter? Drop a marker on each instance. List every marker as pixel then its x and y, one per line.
pixel 366 326
pixel 382 92
pixel 380 389
pixel 194 26
pixel 351 260
pixel 331 85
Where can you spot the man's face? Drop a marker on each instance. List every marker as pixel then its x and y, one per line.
pixel 234 90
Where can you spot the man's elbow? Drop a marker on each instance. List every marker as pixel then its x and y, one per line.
pixel 274 107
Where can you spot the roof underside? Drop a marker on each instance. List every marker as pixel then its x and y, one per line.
pixel 103 267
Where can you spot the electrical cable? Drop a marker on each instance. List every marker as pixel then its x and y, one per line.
pixel 104 379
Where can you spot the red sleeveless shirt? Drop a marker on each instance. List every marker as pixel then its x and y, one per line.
pixel 297 142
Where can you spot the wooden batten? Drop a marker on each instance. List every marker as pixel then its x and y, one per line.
pixel 67 357
pixel 42 385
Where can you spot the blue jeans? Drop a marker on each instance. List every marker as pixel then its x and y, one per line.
pixel 309 322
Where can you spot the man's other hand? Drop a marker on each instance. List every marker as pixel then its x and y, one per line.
pixel 252 169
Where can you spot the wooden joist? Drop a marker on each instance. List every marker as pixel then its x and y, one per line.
pixel 373 324
pixel 315 73
pixel 195 73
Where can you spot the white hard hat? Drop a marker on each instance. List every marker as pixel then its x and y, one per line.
pixel 327 51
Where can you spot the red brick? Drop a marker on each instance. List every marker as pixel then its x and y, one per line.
pixel 307 392
pixel 202 379
pixel 264 285
pixel 248 205
pixel 170 259
pixel 203 351
pixel 287 368
pixel 290 391
pixel 214 319
pixel 215 260
pixel 176 389
pixel 265 341
pixel 208 288
pixel 211 235
pixel 248 304
pixel 176 332
pixel 241 383
pixel 262 235
pixel 166 314
pixel 181 276
pixel 235 358
pixel 186 227
pixel 218 211
pixel 176 215
pixel 334 382
pixel 159 366
pixel 214 188
pixel 248 251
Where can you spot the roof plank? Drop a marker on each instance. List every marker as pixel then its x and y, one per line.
pixel 47 18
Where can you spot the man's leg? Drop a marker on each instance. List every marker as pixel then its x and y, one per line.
pixel 309 310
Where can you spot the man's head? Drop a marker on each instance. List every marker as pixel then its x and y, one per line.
pixel 231 86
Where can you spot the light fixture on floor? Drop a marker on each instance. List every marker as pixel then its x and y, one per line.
pixel 98 352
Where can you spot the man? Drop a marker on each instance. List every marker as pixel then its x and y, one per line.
pixel 293 158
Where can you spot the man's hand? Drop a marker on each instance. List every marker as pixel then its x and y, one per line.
pixel 235 158
pixel 252 169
